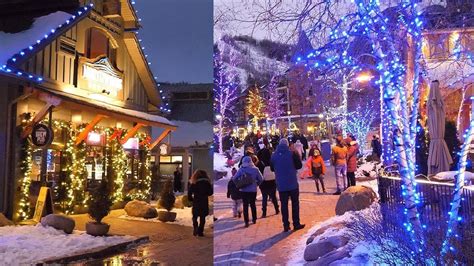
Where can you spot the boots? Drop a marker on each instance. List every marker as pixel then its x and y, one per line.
pixel 322 185
pixel 317 185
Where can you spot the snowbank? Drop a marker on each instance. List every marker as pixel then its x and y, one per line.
pixel 20 245
pixel 359 256
pixel 183 217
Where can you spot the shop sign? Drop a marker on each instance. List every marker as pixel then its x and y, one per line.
pixel 164 149
pixel 132 144
pixel 42 135
pixel 94 139
pixel 44 204
pixel 102 77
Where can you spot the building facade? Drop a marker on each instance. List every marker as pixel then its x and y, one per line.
pixel 80 71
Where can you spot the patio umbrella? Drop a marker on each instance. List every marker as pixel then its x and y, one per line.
pixel 439 159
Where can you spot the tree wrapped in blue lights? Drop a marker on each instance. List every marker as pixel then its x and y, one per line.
pixel 226 93
pixel 398 79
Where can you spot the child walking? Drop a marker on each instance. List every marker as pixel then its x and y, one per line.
pixel 234 193
pixel 316 167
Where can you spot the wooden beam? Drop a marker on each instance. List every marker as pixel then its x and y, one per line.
pixel 131 133
pixel 160 138
pixel 50 101
pixel 83 135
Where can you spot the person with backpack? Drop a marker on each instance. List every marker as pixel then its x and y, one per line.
pixel 352 150
pixel 285 164
pixel 234 193
pixel 268 189
pixel 247 178
pixel 316 168
pixel 339 160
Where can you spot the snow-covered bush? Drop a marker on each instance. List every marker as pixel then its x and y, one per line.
pixel 366 168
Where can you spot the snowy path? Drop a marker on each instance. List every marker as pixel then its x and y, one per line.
pixel 265 243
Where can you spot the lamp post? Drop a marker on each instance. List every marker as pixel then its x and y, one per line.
pixel 289 120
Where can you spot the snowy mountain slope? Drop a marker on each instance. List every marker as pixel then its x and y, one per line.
pixel 257 62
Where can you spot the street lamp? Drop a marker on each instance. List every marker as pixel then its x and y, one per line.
pixel 289 120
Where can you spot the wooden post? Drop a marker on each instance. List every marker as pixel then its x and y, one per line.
pixel 83 135
pixel 131 133
pixel 160 138
pixel 51 101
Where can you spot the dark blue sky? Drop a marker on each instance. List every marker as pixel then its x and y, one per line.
pixel 177 35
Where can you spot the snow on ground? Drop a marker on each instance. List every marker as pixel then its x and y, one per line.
pixel 12 43
pixel 183 217
pixel 359 255
pixel 20 245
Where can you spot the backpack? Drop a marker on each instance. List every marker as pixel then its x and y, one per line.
pixel 243 180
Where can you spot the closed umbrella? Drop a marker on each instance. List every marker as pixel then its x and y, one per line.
pixel 439 159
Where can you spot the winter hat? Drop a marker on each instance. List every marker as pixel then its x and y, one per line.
pixel 284 142
pixel 247 162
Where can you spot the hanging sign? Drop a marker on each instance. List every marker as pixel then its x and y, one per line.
pixel 42 135
pixel 164 149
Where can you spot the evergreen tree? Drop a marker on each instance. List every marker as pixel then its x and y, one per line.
pixel 422 149
pixel 452 140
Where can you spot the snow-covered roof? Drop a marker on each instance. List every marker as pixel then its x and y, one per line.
pixel 191 132
pixel 12 43
pixel 17 47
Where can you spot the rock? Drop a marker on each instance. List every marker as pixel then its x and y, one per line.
pixel 59 222
pixel 139 208
pixel 179 203
pixel 338 241
pixel 4 221
pixel 316 250
pixel 355 198
pixel 332 257
pixel 186 201
pixel 320 231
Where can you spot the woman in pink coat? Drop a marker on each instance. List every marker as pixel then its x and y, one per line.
pixel 352 150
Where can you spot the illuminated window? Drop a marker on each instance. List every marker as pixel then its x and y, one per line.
pixel 438 46
pixel 165 159
pixel 98 44
pixel 176 159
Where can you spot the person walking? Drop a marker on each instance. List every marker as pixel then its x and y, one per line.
pixel 299 148
pixel 198 193
pixel 285 165
pixel 376 148
pixel 304 141
pixel 249 192
pixel 316 168
pixel 234 193
pixel 268 189
pixel 264 155
pixel 339 157
pixel 177 179
pixel 352 151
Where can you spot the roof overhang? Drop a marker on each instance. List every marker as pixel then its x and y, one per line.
pixel 144 72
pixel 97 107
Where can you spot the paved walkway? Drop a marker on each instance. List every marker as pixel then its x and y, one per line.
pixel 265 243
pixel 170 244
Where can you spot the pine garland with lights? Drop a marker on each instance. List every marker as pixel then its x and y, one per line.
pixel 24 208
pixel 119 163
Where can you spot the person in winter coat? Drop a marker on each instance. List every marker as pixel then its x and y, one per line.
pixel 234 193
pixel 268 189
pixel 299 148
pixel 316 167
pixel 177 180
pixel 199 191
pixel 339 157
pixel 285 165
pixel 264 155
pixel 376 148
pixel 304 141
pixel 352 150
pixel 249 193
